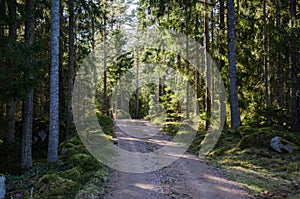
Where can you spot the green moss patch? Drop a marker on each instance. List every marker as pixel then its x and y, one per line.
pixel 247 158
pixel 54 186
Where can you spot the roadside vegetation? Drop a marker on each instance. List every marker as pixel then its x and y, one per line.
pixel 76 174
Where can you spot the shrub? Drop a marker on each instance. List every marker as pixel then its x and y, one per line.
pixel 106 124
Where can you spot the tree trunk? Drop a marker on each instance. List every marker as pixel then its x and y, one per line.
pixel 266 68
pixel 222 54
pixel 70 69
pixel 54 83
pixel 26 157
pixel 293 61
pixel 11 106
pixel 137 87
pixel 104 72
pixel 234 104
pixel 208 70
pixel 187 63
pixel 279 66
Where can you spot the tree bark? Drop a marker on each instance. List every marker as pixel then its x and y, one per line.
pixel 266 67
pixel 26 157
pixel 279 66
pixel 137 87
pixel 222 54
pixel 54 83
pixel 208 69
pixel 104 72
pixel 70 69
pixel 234 104
pixel 11 105
pixel 293 61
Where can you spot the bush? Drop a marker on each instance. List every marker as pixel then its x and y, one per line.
pixel 106 124
pixel 122 114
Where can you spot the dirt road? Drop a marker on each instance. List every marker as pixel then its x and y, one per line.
pixel 187 177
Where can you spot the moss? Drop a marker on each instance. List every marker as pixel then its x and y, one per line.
pixel 245 130
pixel 261 139
pixel 53 186
pixel 85 162
pixel 71 174
pixel 250 161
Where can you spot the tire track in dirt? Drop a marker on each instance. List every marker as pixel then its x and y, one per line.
pixel 187 177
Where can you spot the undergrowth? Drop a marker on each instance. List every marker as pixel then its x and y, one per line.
pixel 77 174
pixel 246 157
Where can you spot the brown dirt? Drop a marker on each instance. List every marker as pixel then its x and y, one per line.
pixel 187 177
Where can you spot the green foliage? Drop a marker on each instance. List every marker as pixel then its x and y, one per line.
pixel 53 186
pixel 106 123
pixel 273 113
pixel 171 128
pixel 85 161
pixel 121 114
pixel 144 99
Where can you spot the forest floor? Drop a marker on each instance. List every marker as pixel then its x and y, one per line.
pixel 187 177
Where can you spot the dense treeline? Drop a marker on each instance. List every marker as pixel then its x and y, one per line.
pixel 255 45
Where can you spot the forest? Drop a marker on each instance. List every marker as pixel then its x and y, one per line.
pixel 238 62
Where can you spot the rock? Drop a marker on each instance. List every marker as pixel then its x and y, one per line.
pixel 289 148
pixel 276 144
pixel 2 187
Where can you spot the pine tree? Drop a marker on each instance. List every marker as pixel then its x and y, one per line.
pixel 234 104
pixel 54 83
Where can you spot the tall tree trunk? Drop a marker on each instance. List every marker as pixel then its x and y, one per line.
pixel 26 157
pixel 266 68
pixel 187 63
pixel 234 103
pixel 70 69
pixel 137 87
pixel 196 76
pixel 104 72
pixel 279 66
pixel 222 55
pixel 54 83
pixel 11 105
pixel 208 69
pixel 295 114
pixel 212 25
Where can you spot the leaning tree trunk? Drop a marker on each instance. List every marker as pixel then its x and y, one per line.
pixel 54 83
pixel 26 157
pixel 234 104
